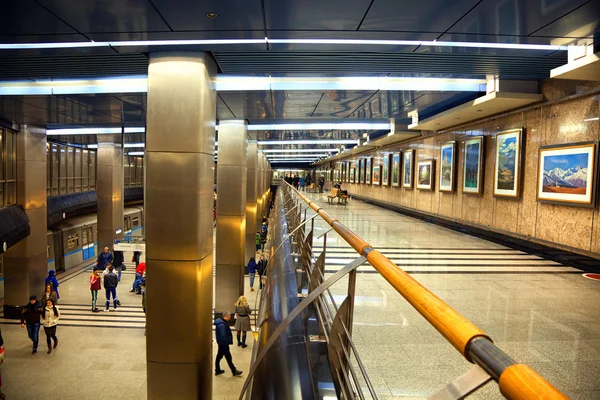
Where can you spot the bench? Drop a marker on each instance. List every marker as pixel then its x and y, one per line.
pixel 312 188
pixel 337 194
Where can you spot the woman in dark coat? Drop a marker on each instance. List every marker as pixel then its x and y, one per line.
pixel 242 322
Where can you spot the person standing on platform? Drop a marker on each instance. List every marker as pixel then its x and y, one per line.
pixel 252 272
pixel 308 180
pixel 224 339
pixel 111 280
pixel 104 259
pixel 136 258
pixel 262 269
pixel 321 184
pixel 263 235
pixel 242 322
pixel 49 294
pixel 105 272
pixel 31 316
pixel 50 318
pixel 51 279
pixel 258 241
pixel 296 181
pixel 302 183
pixel 95 286
pixel 118 261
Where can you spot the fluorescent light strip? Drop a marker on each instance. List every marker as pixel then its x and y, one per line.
pixel 93 131
pixel 321 126
pixel 218 42
pixel 292 161
pixel 295 155
pixel 300 150
pixel 135 153
pixel 591 119
pixel 315 141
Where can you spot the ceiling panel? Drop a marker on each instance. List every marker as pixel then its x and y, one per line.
pixel 583 22
pixel 415 16
pixel 295 104
pixel 88 16
pixel 315 14
pixel 249 105
pixel 341 104
pixel 513 17
pixel 234 15
pixel 26 17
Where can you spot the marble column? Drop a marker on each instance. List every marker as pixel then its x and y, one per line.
pixel 26 263
pixel 110 190
pixel 180 142
pixel 251 189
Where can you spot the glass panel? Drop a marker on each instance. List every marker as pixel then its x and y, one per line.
pixel 62 174
pixel 138 171
pixel 70 169
pixel 84 239
pixel 85 172
pixel 55 169
pixel 126 171
pixel 77 170
pixel 92 170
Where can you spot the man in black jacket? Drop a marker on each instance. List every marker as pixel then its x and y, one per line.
pixel 111 280
pixel 262 269
pixel 31 316
pixel 224 339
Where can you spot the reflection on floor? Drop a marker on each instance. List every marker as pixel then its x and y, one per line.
pixel 541 313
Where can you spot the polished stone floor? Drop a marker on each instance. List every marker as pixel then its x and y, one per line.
pixel 541 313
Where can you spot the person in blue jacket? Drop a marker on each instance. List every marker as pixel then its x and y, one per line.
pixel 252 272
pixel 51 279
pixel 224 339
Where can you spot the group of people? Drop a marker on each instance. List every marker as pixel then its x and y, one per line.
pixel 261 235
pixel 43 313
pixel 254 267
pixel 299 182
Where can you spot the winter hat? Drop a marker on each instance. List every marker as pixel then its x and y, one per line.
pixel 32 297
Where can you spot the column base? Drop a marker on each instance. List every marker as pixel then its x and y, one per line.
pixel 12 312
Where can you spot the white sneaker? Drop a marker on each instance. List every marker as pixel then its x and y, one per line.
pixel 106 310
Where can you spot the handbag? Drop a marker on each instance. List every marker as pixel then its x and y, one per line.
pixel 1 355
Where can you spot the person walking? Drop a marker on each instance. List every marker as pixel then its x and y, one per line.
pixel 118 261
pixel 263 235
pixel 136 258
pixel 140 270
pixel 321 183
pixel 258 238
pixel 224 339
pixel 262 269
pixel 104 259
pixel 51 279
pixel 111 280
pixel 308 180
pixel 31 316
pixel 242 322
pixel 252 272
pixel 95 286
pixel 49 294
pixel 50 318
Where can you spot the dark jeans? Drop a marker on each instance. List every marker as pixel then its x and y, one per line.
pixel 109 292
pixel 137 282
pixel 224 352
pixel 50 333
pixel 33 331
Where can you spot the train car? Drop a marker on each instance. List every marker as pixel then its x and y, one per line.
pixel 133 221
pixel 50 250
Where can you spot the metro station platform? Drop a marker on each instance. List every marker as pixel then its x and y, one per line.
pixel 539 312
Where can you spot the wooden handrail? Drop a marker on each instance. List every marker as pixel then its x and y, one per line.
pixel 517 381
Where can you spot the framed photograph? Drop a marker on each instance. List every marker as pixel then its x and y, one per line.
pixel 447 166
pixel 425 173
pixel 473 167
pixel 396 169
pixel 385 174
pixel 407 169
pixel 362 171
pixel 567 174
pixel 351 177
pixel 368 170
pixel 509 157
pixel 376 174
pixel 356 171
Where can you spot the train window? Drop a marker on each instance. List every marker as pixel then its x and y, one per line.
pixel 72 242
pixel 135 221
pixel 90 237
pixel 84 236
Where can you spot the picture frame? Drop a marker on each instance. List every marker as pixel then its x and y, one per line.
pixel 351 177
pixel 362 171
pixel 368 170
pixel 385 173
pixel 567 174
pixel 377 175
pixel 508 165
pixel 396 169
pixel 447 179
pixel 425 175
pixel 473 166
pixel 407 169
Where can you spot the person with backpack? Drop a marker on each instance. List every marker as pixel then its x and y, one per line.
pixel 49 319
pixel 224 339
pixel 51 279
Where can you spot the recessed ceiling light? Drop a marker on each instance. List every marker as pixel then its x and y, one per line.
pixel 211 15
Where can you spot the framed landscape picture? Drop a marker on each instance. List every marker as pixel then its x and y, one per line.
pixel 473 166
pixel 368 171
pixel 377 175
pixel 356 171
pixel 507 172
pixel 362 171
pixel 425 173
pixel 567 174
pixel 407 169
pixel 396 169
pixel 385 174
pixel 351 177
pixel 448 167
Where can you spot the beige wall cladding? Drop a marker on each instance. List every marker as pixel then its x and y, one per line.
pixel 561 120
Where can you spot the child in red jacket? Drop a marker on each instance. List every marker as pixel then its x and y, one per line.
pixel 95 285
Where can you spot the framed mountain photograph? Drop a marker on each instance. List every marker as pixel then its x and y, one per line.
pixel 473 166
pixel 425 172
pixel 385 174
pixel 407 169
pixel 357 171
pixel 368 171
pixel 376 174
pixel 396 169
pixel 447 166
pixel 507 172
pixel 362 170
pixel 567 174
pixel 351 177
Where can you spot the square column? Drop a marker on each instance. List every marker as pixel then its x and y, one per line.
pixel 231 213
pixel 110 190
pixel 180 143
pixel 251 210
pixel 26 263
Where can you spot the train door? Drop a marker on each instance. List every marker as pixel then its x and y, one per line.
pixel 91 242
pixel 84 243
